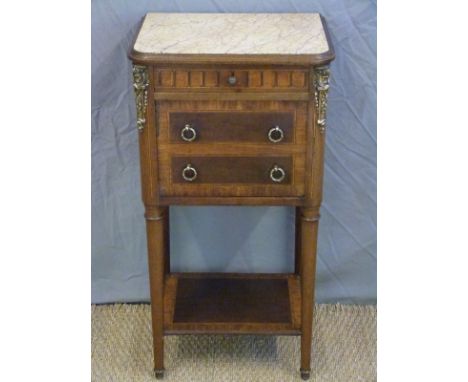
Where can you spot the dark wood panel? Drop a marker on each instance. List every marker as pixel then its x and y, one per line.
pixel 231 126
pixel 292 116
pixel 232 300
pixel 235 303
pixel 234 170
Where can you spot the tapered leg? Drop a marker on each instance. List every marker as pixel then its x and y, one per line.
pixel 155 222
pixel 309 230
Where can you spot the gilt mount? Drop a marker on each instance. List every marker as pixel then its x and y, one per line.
pixel 140 85
pixel 321 84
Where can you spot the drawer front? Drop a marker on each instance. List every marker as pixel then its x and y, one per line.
pixel 231 79
pixel 230 122
pixel 201 127
pixel 231 155
pixel 234 170
pixel 226 174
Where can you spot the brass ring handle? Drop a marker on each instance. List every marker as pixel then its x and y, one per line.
pixel 277 174
pixel 232 79
pixel 188 133
pixel 189 173
pixel 275 134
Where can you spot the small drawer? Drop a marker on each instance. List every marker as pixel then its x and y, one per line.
pixel 274 170
pixel 255 79
pixel 196 124
pixel 205 127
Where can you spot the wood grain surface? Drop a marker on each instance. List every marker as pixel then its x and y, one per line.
pixel 222 126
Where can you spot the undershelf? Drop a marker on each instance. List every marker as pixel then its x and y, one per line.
pixel 232 303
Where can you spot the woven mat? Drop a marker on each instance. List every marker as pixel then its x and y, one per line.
pixel 344 349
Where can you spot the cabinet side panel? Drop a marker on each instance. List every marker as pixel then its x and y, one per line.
pixel 148 149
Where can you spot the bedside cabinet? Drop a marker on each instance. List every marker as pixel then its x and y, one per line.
pixel 231 111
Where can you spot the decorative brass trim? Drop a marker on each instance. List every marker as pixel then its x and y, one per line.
pixel 321 76
pixel 140 86
pixel 154 219
pixel 154 215
pixel 311 219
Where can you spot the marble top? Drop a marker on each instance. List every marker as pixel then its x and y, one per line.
pixel 232 33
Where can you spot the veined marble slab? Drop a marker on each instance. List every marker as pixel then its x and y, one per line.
pixel 232 33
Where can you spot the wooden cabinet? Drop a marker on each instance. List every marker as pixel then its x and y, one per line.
pixel 232 117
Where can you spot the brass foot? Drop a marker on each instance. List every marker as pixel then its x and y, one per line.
pixel 159 373
pixel 305 374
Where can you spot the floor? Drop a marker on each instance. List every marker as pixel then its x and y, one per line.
pixel 344 349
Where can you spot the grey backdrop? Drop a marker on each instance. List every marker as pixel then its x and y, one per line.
pixel 237 239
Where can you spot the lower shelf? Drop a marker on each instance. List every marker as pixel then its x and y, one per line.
pixel 232 303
